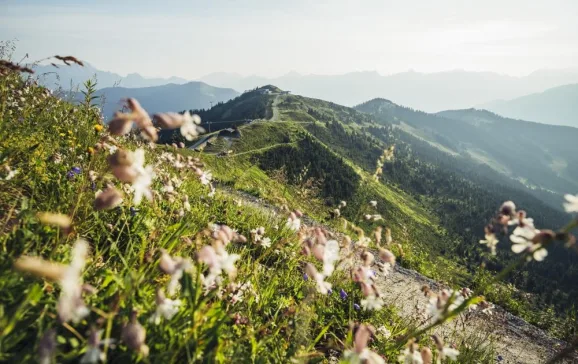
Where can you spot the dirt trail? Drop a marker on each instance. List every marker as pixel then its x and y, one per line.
pixel 275 109
pixel 515 340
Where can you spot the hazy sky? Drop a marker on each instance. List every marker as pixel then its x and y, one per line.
pixel 272 37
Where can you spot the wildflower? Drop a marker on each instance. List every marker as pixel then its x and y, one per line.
pixel 293 222
pixel 47 347
pixel 356 306
pixel 186 203
pixel 93 352
pixel 10 173
pixel 527 239
pixel 388 238
pixel 305 277
pixel 521 219
pixel 444 303
pixel 367 258
pixel 266 242
pixel 342 204
pixel 426 355
pixel 98 127
pixel 218 260
pixel 444 351
pixel 372 302
pixel 486 307
pixel 387 256
pixel 491 241
pixel 134 336
pixel 107 199
pixel 384 332
pixel 129 167
pixel 373 203
pixel 342 294
pixel 70 304
pixel 206 178
pixel 571 204
pixel 411 354
pixel 330 256
pixel 61 220
pixel 360 352
pixel 322 286
pixel 175 267
pixel 166 308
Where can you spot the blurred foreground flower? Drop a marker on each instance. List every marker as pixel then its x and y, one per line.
pixel 360 352
pixel 134 336
pixel 166 308
pixel 571 204
pixel 56 219
pixel 71 306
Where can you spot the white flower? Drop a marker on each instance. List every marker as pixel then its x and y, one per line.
pixel 141 185
pixel 384 332
pixel 166 308
pixel 522 237
pixel 11 174
pixel 444 303
pixel 373 203
pixel 330 256
pixel 111 148
pixel 491 241
pixel 190 128
pixel 206 178
pixel 410 357
pixel 71 306
pixel 293 223
pixel 450 353
pixel 572 203
pixel 372 302
pixel 93 352
pixel 175 267
pixel 266 242
pixel 322 286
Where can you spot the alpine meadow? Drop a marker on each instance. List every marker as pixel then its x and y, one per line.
pixel 283 190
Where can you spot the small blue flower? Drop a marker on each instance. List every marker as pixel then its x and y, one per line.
pixel 70 175
pixel 76 170
pixel 329 291
pixel 305 276
pixel 356 306
pixel 342 294
pixel 133 211
pixel 500 358
pixel 93 186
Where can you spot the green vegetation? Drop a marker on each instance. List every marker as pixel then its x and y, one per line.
pixel 267 313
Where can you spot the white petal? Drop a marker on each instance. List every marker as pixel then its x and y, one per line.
pixel 518 248
pixel 540 254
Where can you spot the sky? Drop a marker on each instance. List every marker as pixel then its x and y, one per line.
pixel 269 38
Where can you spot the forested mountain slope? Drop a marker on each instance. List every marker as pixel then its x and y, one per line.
pixel 541 157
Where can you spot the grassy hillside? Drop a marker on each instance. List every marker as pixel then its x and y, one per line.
pixel 187 274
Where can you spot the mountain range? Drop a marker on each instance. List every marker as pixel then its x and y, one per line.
pixel 195 95
pixel 70 77
pixel 558 105
pixel 430 92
